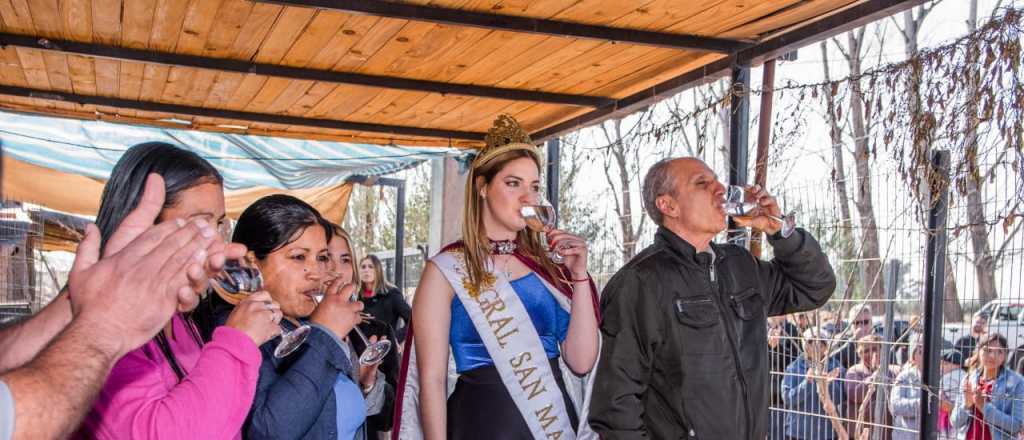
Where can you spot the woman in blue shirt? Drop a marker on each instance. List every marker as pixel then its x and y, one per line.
pixel 992 401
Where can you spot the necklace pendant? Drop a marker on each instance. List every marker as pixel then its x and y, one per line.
pixel 503 247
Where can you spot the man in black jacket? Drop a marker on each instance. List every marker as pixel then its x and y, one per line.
pixel 684 326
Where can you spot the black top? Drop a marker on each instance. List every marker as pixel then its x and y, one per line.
pixel 388 307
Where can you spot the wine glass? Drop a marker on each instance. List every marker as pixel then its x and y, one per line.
pixel 236 282
pixel 374 351
pixel 540 217
pixel 738 203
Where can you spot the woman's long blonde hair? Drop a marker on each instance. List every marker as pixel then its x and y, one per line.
pixel 476 245
pixel 339 232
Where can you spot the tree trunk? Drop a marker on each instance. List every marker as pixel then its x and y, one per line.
pixel 847 269
pixel 368 220
pixel 617 153
pixel 984 263
pixel 870 257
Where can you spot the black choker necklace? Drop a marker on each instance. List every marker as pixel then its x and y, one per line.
pixel 503 247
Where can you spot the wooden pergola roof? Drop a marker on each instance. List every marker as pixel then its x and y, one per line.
pixel 417 72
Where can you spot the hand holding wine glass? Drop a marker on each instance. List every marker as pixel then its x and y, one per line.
pixel 335 311
pixel 236 282
pixel 540 217
pixel 754 207
pixel 258 316
pixel 571 249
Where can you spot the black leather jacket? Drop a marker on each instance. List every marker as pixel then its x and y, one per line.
pixel 684 352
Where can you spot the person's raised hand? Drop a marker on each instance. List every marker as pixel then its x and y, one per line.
pixel 142 218
pixel 761 216
pixel 336 311
pixel 573 250
pixel 258 316
pixel 131 293
pixel 774 336
pixel 968 394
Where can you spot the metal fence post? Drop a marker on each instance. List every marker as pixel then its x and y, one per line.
pixel 889 336
pixel 933 294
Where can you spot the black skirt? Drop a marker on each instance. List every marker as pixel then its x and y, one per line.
pixel 482 408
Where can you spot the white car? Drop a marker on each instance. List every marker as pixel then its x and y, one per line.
pixel 1006 317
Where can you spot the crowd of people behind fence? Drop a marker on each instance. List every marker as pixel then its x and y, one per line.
pixel 828 375
pixel 173 326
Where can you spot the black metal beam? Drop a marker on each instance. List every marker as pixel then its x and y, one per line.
pixel 296 73
pixel 935 286
pixel 239 115
pixel 739 134
pixel 827 27
pixel 415 12
pixel 400 234
pixel 554 149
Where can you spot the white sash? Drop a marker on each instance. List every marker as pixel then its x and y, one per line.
pixel 514 345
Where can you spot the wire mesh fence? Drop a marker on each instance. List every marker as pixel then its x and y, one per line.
pixel 35 257
pixel 853 369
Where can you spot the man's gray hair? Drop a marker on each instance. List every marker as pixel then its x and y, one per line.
pixel 658 181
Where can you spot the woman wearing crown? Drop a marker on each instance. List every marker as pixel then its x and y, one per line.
pixel 522 330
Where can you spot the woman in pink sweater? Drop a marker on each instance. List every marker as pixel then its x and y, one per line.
pixel 175 386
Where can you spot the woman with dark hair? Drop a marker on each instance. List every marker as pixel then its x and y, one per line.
pixel 317 391
pixel 992 404
pixel 514 319
pixel 176 386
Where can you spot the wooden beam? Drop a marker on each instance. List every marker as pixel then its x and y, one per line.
pixel 512 23
pixel 810 33
pixel 333 124
pixel 295 73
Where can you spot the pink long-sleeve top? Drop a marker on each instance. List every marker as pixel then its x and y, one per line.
pixel 143 398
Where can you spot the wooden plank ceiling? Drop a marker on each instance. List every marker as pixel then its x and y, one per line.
pixel 331 40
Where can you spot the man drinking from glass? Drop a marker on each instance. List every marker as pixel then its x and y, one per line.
pixel 685 322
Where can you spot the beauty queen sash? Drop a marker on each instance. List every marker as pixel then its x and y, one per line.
pixel 518 354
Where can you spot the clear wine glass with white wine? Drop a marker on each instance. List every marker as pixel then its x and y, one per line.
pixel 540 217
pixel 739 203
pixel 236 282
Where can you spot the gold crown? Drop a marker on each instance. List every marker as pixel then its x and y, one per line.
pixel 504 135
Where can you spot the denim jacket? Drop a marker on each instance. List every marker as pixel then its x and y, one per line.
pixel 295 394
pixel 1004 413
pixel 799 394
pixel 905 403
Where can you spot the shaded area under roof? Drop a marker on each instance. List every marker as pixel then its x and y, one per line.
pixel 411 72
